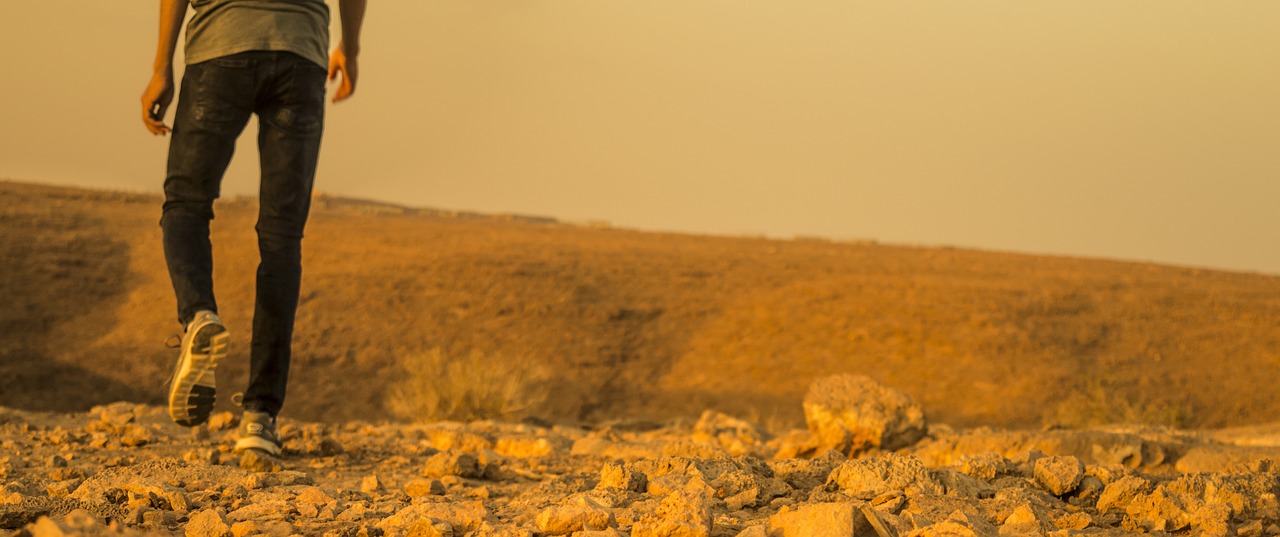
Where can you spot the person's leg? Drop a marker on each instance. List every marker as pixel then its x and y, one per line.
pixel 212 111
pixel 213 107
pixel 290 122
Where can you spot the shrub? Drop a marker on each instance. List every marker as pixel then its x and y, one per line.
pixel 474 387
pixel 1102 403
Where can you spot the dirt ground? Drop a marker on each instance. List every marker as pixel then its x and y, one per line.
pixel 626 324
pixel 124 469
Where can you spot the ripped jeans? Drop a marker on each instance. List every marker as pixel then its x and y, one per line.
pixel 217 97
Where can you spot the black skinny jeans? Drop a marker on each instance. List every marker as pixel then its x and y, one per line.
pixel 217 97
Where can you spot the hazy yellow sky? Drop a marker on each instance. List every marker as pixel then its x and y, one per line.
pixel 1143 130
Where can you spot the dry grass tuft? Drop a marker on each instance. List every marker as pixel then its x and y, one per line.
pixel 474 387
pixel 1097 403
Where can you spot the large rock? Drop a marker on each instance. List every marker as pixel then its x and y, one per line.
pixel 684 513
pixel 1158 511
pixel 843 519
pixel 735 436
pixel 620 477
pixel 576 515
pixel 453 462
pixel 852 413
pixel 460 516
pixel 1120 493
pixel 207 523
pixel 865 479
pixel 1058 475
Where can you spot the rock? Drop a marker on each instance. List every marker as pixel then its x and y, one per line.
pixel 1023 521
pixel 986 465
pixel 370 484
pixel 1058 475
pixel 959 524
pixel 578 514
pixel 865 479
pixel 136 435
pixel 684 513
pixel 1107 474
pixel 794 444
pixel 314 496
pixel 1157 511
pixel 600 533
pixel 610 449
pixel 207 523
pixel 453 462
pixel 461 516
pixel 694 450
pixel 805 474
pixel 620 477
pixel 223 421
pixel 843 519
pixel 244 528
pixel 156 519
pixel 428 527
pixel 1250 529
pixel 64 473
pixel 329 447
pixel 852 414
pixel 203 456
pixel 748 486
pixel 1024 463
pixel 277 528
pixel 735 436
pixel 424 487
pixel 1118 495
pixel 282 478
pixel 667 484
pixel 9 497
pixel 62 489
pixel 459 440
pixel 137 514
pixel 1073 521
pixel 277 508
pixel 524 447
pixel 255 460
pixel 959 484
pixel 46 527
pixel 355 512
pixel 1090 488
pixel 115 415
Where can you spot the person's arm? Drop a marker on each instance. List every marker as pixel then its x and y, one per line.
pixel 344 58
pixel 159 93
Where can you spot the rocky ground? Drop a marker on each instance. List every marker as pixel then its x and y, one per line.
pixel 125 469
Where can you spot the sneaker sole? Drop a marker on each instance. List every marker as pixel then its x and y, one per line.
pixel 261 444
pixel 194 386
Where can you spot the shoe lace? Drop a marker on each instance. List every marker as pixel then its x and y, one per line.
pixel 172 342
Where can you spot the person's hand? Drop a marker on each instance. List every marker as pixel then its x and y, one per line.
pixel 155 102
pixel 346 64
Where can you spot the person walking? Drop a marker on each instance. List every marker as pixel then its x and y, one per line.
pixel 268 58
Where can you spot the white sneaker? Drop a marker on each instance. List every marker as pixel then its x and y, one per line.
pixel 192 390
pixel 258 431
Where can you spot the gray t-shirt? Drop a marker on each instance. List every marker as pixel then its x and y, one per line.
pixel 224 27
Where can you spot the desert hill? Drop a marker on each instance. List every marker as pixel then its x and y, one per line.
pixel 629 324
